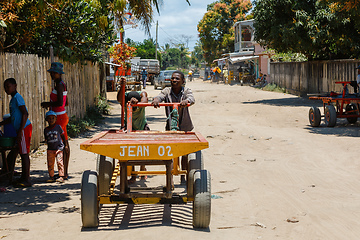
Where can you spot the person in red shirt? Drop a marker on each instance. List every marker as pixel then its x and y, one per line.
pixel 58 101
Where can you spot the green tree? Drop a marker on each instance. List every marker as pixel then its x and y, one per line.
pixel 78 30
pixel 175 57
pixel 197 55
pixel 313 28
pixel 145 49
pixel 216 27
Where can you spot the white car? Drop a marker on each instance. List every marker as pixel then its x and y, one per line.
pixel 163 79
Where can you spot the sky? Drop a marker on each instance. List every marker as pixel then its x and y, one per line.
pixel 176 18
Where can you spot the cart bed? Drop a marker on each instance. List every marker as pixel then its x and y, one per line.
pixel 145 145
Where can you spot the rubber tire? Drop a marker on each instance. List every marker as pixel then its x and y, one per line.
pixel 351 107
pixel 314 116
pixel 196 160
pixel 330 116
pixel 104 168
pixel 89 199
pixel 190 183
pixel 202 199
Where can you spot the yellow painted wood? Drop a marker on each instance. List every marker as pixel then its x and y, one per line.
pixel 125 152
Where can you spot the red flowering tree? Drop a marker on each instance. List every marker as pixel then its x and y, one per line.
pixel 121 53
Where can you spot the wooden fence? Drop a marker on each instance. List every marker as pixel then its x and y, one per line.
pixel 302 78
pixel 34 84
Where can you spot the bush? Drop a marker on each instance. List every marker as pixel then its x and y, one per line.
pixel 93 116
pixel 274 88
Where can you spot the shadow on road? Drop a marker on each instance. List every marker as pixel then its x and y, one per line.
pixel 341 129
pixel 129 216
pixel 287 102
pixel 39 197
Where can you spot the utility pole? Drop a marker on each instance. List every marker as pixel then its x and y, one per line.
pixel 156 41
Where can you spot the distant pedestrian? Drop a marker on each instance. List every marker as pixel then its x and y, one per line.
pixel 144 77
pixel 58 101
pixel 55 139
pixel 23 127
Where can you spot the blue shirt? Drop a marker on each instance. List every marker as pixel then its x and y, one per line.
pixel 16 101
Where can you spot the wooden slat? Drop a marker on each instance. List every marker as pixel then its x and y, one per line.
pixel 34 84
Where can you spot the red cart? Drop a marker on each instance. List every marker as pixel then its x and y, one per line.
pixel 336 105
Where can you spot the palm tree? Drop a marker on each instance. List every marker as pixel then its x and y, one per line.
pixel 142 10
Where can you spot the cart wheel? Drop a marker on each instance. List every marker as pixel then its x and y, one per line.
pixel 351 109
pixel 314 116
pixel 196 160
pixel 104 167
pixel 202 199
pixel 89 199
pixel 330 116
pixel 190 183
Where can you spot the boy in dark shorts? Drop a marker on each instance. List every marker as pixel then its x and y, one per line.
pixel 57 143
pixel 22 125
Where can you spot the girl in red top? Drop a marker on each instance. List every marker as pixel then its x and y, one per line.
pixel 58 101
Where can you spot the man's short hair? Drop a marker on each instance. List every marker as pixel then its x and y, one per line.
pixel 132 94
pixel 10 80
pixel 181 74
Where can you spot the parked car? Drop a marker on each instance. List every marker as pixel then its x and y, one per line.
pixel 163 79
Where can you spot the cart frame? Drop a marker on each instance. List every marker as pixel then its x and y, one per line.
pixel 120 150
pixel 343 105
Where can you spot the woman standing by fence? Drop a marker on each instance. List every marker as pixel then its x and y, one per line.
pixel 58 101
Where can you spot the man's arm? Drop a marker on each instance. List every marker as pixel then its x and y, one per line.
pixel 5 121
pixel 189 98
pixel 60 91
pixel 66 143
pixel 144 97
pixel 158 99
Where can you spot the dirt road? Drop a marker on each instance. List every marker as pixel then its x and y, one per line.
pixel 273 177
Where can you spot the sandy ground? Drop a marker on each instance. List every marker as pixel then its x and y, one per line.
pixel 273 177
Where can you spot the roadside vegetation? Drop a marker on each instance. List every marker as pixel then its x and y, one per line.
pixel 272 87
pixel 93 116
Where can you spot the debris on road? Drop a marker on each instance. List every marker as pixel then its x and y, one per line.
pixel 292 220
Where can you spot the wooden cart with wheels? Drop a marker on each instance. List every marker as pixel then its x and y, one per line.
pixel 119 150
pixel 336 105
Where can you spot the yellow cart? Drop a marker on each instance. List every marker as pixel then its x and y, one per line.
pixel 119 150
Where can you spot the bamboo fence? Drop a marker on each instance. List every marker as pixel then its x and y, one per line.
pixel 34 84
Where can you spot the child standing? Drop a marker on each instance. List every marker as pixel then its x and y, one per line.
pixel 19 119
pixel 56 141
